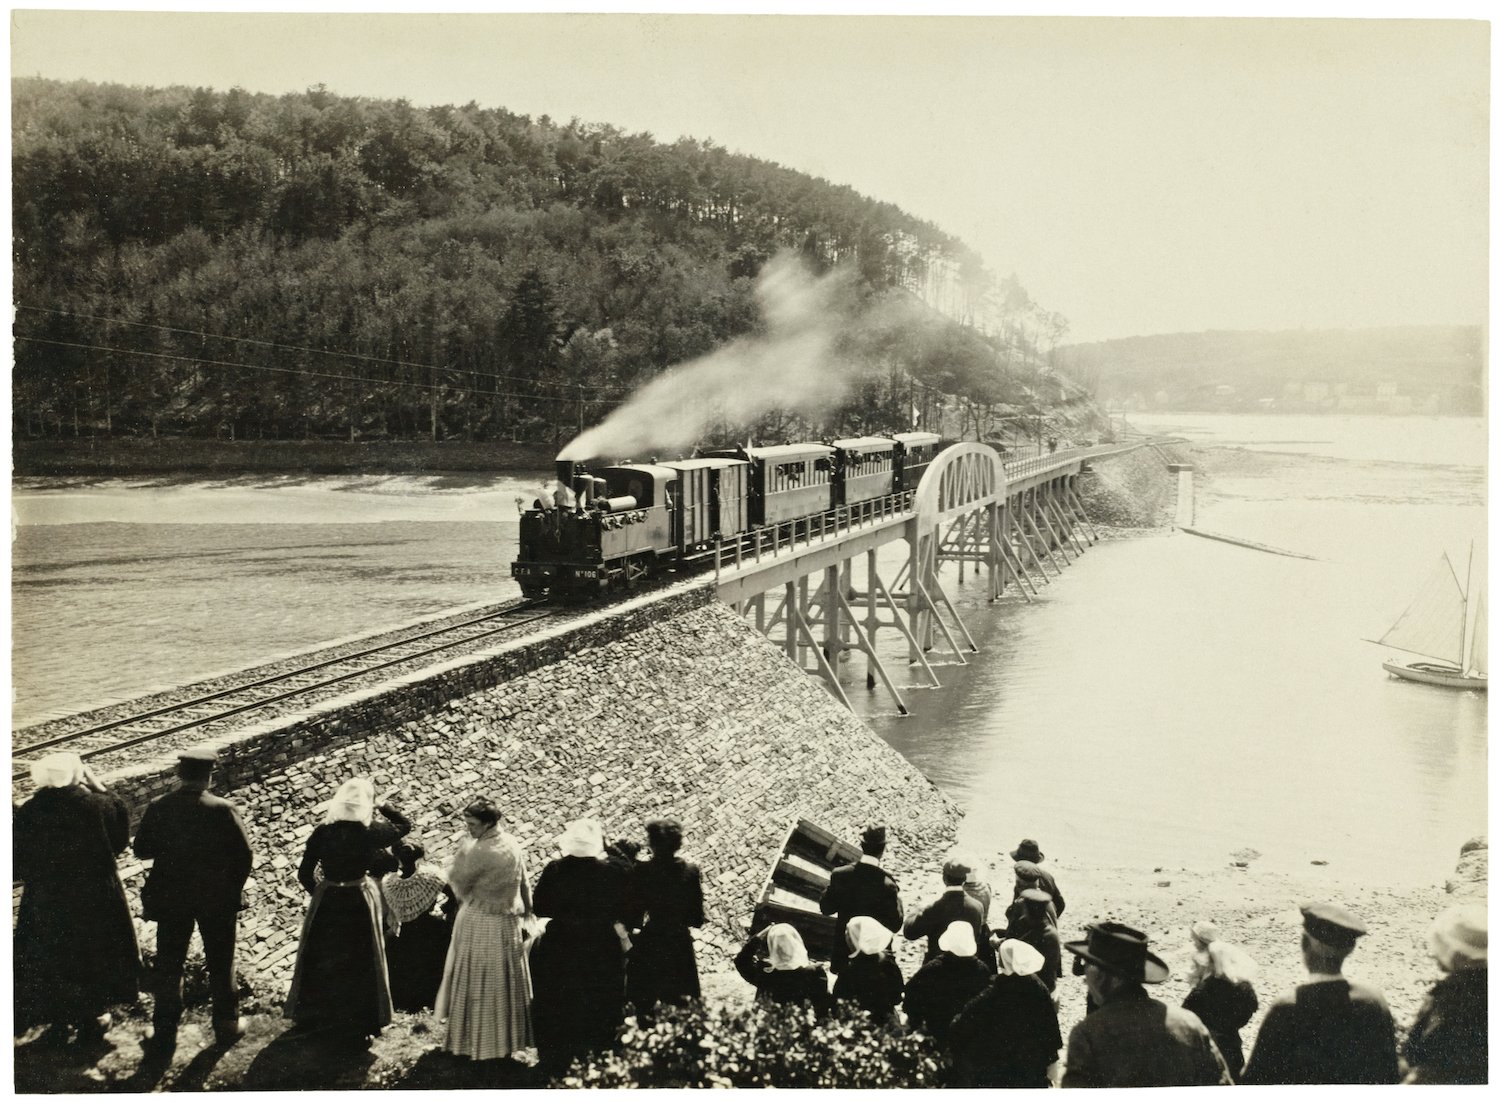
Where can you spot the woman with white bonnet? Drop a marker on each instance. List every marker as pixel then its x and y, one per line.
pixel 940 989
pixel 871 977
pixel 486 990
pixel 775 961
pixel 1222 993
pixel 340 983
pixel 1007 1036
pixel 75 948
pixel 1448 1044
pixel 578 962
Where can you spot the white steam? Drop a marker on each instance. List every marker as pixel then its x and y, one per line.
pixel 792 366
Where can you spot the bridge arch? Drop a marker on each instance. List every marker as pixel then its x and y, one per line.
pixel 964 491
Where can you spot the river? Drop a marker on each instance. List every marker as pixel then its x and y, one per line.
pixel 1170 701
pixel 1175 701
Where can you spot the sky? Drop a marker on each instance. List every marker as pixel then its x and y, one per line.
pixel 1138 175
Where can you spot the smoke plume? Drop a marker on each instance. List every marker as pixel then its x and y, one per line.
pixel 793 365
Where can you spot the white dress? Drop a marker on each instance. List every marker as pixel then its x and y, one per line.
pixel 486 990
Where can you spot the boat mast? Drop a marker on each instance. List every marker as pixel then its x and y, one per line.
pixel 1465 639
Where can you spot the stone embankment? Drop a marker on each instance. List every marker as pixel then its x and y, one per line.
pixel 1129 492
pixel 675 708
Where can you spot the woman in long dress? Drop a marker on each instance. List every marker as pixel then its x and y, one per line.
pixel 416 937
pixel 1007 1036
pixel 578 961
pixel 340 982
pixel 871 978
pixel 666 900
pixel 775 962
pixel 75 948
pixel 486 990
pixel 1222 994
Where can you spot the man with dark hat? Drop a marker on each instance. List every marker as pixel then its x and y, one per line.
pixel 1330 1030
pixel 201 859
pixel 1132 1040
pixel 861 888
pixel 1030 875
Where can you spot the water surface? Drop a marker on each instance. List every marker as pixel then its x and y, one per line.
pixel 1174 700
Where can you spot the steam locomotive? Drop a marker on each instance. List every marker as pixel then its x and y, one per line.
pixel 615 526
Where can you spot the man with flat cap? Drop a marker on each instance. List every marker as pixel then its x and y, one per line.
pixel 1330 1030
pixel 861 888
pixel 201 859
pixel 1132 1040
pixel 954 904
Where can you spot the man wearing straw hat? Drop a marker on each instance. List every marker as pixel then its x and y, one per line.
pixel 1132 1040
pixel 1330 1030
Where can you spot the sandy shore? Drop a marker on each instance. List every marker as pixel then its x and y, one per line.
pixel 1257 909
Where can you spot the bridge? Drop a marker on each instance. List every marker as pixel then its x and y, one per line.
pixel 1017 517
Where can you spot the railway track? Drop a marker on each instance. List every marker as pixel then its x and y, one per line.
pixel 273 691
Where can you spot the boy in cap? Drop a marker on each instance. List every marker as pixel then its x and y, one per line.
pixel 1132 1040
pixel 201 859
pixel 1330 1030
pixel 861 888
pixel 954 904
pixel 1030 875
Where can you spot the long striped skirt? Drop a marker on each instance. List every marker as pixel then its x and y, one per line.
pixel 340 981
pixel 486 991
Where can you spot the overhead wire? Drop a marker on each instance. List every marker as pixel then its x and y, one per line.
pixel 268 344
pixel 312 374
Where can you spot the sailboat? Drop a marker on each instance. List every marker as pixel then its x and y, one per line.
pixel 1447 624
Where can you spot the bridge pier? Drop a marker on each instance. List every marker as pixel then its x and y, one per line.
pixel 1018 522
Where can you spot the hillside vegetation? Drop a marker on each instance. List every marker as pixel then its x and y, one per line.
pixel 1397 369
pixel 245 266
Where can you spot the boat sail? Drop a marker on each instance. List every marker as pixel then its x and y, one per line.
pixel 1447 622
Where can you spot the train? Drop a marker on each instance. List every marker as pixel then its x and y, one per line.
pixel 614 527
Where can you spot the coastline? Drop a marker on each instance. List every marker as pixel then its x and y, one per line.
pixel 186 459
pixel 1255 907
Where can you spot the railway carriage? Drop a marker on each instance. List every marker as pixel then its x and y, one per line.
pixel 787 481
pixel 914 454
pixel 866 467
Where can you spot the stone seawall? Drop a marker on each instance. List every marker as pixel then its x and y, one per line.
pixel 255 751
pixel 1130 491
pixel 674 708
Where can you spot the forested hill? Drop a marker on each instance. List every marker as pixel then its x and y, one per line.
pixel 208 263
pixel 1396 369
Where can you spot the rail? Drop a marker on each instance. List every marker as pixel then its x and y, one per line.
pixel 307 680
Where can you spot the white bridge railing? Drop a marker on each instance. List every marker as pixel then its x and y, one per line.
pixel 789 536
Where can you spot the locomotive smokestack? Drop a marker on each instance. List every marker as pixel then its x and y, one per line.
pixel 565 469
